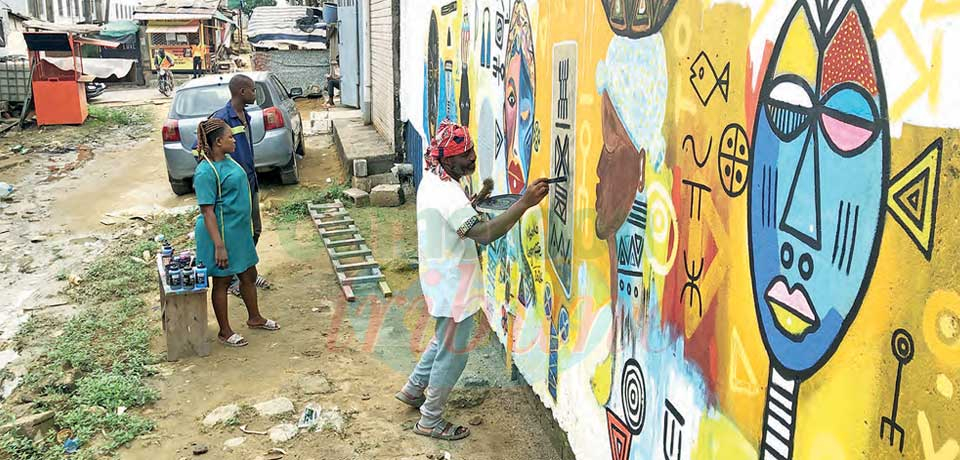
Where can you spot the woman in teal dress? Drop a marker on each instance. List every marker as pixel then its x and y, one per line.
pixel 224 231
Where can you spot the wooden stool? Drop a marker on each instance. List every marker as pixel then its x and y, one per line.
pixel 184 319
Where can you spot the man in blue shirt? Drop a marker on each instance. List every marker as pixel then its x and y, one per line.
pixel 242 93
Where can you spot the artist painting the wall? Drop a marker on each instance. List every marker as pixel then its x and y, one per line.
pixel 450 273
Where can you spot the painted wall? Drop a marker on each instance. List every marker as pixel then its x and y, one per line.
pixel 755 255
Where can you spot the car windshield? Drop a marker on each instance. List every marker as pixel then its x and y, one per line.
pixel 203 101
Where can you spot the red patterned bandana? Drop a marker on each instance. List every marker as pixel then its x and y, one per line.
pixel 451 140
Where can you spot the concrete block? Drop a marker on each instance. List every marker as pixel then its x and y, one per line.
pixel 30 425
pixel 356 196
pixel 409 191
pixel 368 183
pixel 360 168
pixel 387 195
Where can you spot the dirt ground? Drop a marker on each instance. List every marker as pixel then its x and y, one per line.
pixel 364 350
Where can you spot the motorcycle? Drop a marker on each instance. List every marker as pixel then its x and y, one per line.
pixel 165 82
pixel 95 89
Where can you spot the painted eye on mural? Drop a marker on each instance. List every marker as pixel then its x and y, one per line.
pixel 788 107
pixel 511 95
pixel 849 120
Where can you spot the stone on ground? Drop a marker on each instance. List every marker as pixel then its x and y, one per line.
pixel 30 425
pixel 283 432
pixel 386 196
pixel 368 183
pixel 221 414
pixel 234 442
pixel 360 168
pixel 316 384
pixel 273 407
pixel 358 197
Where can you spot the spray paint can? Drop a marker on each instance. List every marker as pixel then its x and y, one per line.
pixel 168 270
pixel 189 277
pixel 176 277
pixel 201 276
pixel 166 254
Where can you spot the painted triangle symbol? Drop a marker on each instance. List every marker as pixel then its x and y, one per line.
pixel 913 197
pixel 620 437
pixel 914 200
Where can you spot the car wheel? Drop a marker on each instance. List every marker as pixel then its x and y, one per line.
pixel 290 174
pixel 301 152
pixel 181 187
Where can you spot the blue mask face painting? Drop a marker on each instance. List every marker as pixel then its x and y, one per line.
pixel 817 185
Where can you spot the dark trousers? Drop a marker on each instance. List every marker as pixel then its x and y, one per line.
pixel 331 84
pixel 197 67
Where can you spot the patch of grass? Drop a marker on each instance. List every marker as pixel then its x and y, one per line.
pixel 119 116
pixel 295 207
pixel 175 228
pixel 33 331
pixel 102 357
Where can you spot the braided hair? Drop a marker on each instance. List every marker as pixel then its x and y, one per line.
pixel 208 131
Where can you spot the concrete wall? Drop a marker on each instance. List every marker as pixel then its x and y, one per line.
pixel 382 67
pixel 306 69
pixel 754 253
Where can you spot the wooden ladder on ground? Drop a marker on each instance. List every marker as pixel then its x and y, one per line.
pixel 347 249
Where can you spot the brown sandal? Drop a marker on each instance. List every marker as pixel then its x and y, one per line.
pixel 444 431
pixel 410 401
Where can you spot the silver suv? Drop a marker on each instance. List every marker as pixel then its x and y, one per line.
pixel 275 126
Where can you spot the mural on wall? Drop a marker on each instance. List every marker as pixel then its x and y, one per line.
pixel 748 257
pixel 822 113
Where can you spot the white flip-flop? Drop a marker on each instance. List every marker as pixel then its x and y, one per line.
pixel 270 325
pixel 235 341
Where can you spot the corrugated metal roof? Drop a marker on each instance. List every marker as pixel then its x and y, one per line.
pixel 170 16
pixel 272 27
pixel 183 9
pixel 73 28
pixel 146 5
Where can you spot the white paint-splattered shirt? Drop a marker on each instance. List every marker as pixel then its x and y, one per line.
pixel 450 274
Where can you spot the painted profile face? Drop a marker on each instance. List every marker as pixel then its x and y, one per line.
pixel 518 99
pixel 637 18
pixel 619 171
pixel 817 187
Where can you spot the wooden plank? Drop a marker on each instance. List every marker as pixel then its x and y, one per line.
pixel 335 204
pixel 364 251
pixel 337 213
pixel 362 279
pixel 348 293
pixel 355 266
pixel 333 223
pixel 341 243
pixel 386 289
pixel 326 233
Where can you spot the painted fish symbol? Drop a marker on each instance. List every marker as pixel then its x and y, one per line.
pixel 705 81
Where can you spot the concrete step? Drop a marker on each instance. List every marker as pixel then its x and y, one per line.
pixel 356 141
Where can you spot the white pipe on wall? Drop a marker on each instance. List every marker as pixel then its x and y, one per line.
pixel 366 81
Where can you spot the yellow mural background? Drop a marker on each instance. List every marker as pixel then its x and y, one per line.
pixel 841 406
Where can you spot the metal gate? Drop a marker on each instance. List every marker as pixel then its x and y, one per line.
pixel 349 41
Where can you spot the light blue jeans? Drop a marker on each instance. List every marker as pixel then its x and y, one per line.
pixel 440 367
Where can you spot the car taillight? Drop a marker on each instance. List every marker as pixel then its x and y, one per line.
pixel 171 131
pixel 272 119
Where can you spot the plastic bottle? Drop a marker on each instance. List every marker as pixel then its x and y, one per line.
pixel 189 277
pixel 201 276
pixel 166 253
pixel 176 277
pixel 168 270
